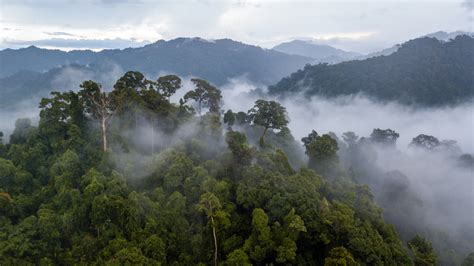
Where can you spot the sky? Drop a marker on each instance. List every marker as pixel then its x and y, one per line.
pixel 360 26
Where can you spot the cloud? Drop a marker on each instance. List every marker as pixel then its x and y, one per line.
pixel 60 33
pixel 260 22
pixel 361 115
pixel 116 43
pixel 468 4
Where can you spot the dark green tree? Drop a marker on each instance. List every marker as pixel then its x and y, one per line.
pixel 168 85
pixel 267 114
pixel 100 105
pixel 425 141
pixel 384 136
pixel 210 205
pixel 229 118
pixel 469 260
pixel 205 95
pixel 322 153
pixel 422 251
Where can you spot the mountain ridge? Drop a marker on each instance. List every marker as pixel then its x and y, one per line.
pixel 424 71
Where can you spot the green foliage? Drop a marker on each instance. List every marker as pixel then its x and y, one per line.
pixel 267 114
pixel 229 118
pixel 168 85
pixel 385 136
pixel 422 251
pixel 237 143
pixel 195 199
pixel 424 71
pixel 205 95
pixel 322 153
pixel 339 256
pixel 425 142
pixel 469 260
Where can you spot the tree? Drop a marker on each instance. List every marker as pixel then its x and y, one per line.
pixel 322 152
pixel 310 138
pixel 350 138
pixel 210 205
pixel 238 257
pixel 20 133
pixel 339 256
pixel 469 260
pixel 229 118
pixel 425 141
pixel 100 105
pixel 268 114
pixel 237 143
pixel 168 85
pixel 260 242
pixel 205 95
pixel 240 118
pixel 423 251
pixel 386 136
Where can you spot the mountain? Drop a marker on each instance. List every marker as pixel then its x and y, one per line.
pixel 440 35
pixel 40 60
pixel 216 61
pixel 446 36
pixel 27 85
pixel 424 71
pixel 384 52
pixel 320 52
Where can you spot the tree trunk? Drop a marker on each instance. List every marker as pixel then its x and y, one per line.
pixel 199 108
pixel 215 240
pixel 104 134
pixel 152 136
pixel 262 138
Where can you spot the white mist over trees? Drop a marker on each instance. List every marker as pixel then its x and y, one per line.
pixel 394 156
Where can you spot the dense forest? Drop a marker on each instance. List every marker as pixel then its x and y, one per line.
pixel 125 176
pixel 424 71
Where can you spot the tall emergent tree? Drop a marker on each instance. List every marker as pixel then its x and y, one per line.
pixel 422 251
pixel 205 95
pixel 425 141
pixel 384 136
pixel 168 85
pixel 229 119
pixel 100 105
pixel 322 152
pixel 211 206
pixel 268 114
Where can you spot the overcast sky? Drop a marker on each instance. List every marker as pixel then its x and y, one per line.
pixel 351 25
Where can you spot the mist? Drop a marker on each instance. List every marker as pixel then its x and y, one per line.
pixel 361 115
pixel 436 195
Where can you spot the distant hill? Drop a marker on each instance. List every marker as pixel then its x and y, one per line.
pixel 320 52
pixel 40 60
pixel 423 71
pixel 29 85
pixel 440 35
pixel 33 72
pixel 216 61
pixel 446 36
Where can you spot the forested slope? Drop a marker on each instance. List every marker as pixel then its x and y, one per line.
pixel 201 198
pixel 174 185
pixel 423 71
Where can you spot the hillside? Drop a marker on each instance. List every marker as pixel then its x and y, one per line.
pixel 320 52
pixel 216 61
pixel 185 196
pixel 423 71
pixel 440 35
